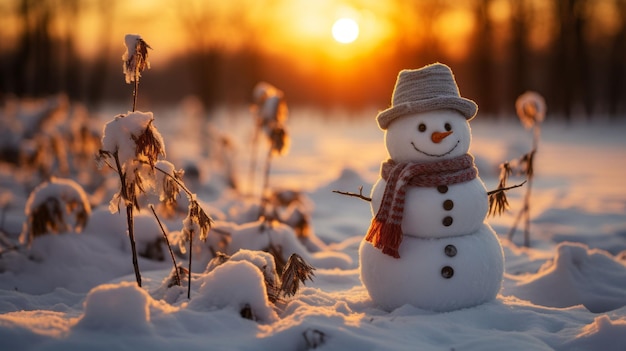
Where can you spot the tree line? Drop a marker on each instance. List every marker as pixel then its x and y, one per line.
pixel 579 72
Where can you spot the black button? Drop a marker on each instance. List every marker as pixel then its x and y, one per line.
pixel 447 221
pixel 442 189
pixel 447 272
pixel 450 250
pixel 448 204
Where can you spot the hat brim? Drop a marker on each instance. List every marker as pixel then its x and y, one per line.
pixel 466 107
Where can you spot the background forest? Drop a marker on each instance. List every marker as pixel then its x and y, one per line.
pixel 571 51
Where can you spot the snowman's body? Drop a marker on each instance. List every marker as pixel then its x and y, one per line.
pixel 440 212
pixel 450 258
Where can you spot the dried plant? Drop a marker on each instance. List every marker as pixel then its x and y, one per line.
pixel 531 110
pixel 148 147
pixel 219 258
pixel 222 239
pixel 279 140
pixel 277 252
pixel 167 242
pixel 291 208
pixel 6 244
pixel 498 202
pixel 168 181
pixel 313 338
pixel 46 155
pixel 134 144
pixel 269 108
pixel 247 313
pixel 135 61
pixel 174 279
pixel 270 112
pixel 197 223
pixel 133 148
pixel 56 206
pixel 296 271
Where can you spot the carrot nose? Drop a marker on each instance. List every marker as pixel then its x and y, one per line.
pixel 437 137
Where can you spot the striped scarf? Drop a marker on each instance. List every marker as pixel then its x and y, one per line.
pixel 385 231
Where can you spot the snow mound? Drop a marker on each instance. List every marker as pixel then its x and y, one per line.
pixel 263 260
pixel 69 261
pixel 236 285
pixel 348 180
pixel 261 236
pixel 57 205
pixel 119 308
pixel 112 229
pixel 602 334
pixel 577 275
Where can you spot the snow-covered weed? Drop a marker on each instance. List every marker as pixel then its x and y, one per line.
pixel 55 206
pixel 135 60
pixel 270 112
pixel 531 110
pixel 48 137
pixel 293 273
pixel 133 147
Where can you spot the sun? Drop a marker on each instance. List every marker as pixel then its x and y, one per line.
pixel 345 30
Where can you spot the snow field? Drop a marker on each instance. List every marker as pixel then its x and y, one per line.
pixel 565 292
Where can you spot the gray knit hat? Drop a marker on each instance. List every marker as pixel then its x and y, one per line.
pixel 429 88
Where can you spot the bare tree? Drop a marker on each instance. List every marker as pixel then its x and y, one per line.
pixel 482 59
pixel 617 72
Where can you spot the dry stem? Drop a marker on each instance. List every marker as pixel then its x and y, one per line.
pixel 129 217
pixel 189 272
pixel 190 196
pixel 505 189
pixel 135 90
pixel 359 195
pixel 167 241
pixel 525 212
pixel 266 182
pixel 253 159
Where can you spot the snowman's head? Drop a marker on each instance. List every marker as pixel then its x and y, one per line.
pixel 428 136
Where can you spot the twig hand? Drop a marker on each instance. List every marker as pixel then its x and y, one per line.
pixel 505 189
pixel 359 195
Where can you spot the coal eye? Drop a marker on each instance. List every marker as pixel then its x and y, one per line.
pixel 421 127
pixel 448 127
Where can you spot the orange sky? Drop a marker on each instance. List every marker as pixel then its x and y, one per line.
pixel 297 26
pixel 275 26
pixel 172 26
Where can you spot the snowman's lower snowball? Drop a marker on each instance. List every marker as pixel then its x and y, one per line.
pixel 435 274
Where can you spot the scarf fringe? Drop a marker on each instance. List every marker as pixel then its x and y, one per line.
pixel 385 236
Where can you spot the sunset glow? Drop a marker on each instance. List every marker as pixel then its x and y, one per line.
pixel 345 30
pixel 347 51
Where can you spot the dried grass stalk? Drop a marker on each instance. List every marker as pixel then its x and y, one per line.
pixel 296 271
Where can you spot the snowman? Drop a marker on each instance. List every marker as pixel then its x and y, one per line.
pixel 428 244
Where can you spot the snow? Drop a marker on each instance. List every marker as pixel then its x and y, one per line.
pixel 77 291
pixel 257 236
pixel 235 284
pixel 104 303
pixel 70 212
pixel 577 275
pixel 119 132
pixel 135 57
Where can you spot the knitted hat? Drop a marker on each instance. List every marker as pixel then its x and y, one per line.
pixel 429 88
